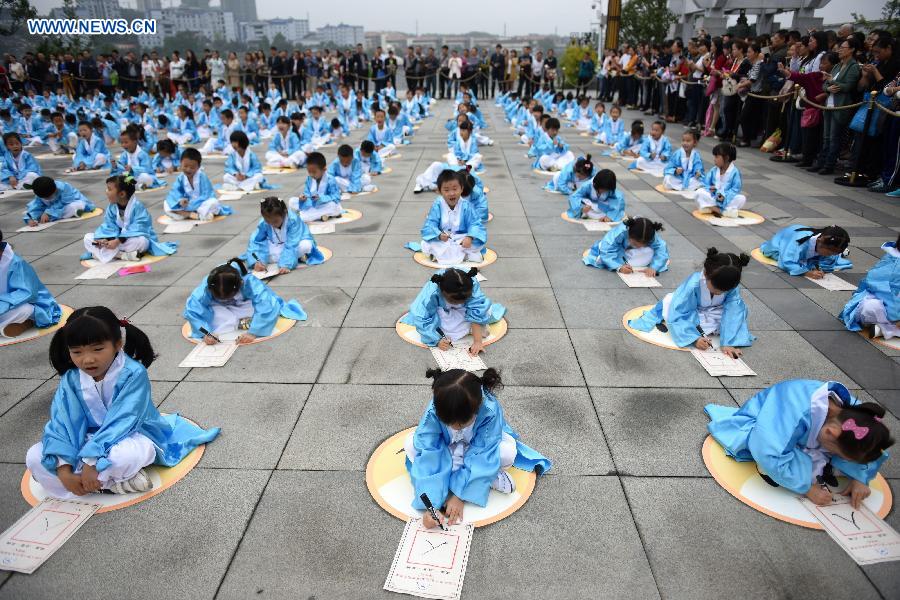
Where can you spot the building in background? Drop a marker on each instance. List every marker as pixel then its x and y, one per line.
pixel 341 34
pixel 146 5
pixel 210 23
pixel 244 11
pixel 91 9
pixel 293 30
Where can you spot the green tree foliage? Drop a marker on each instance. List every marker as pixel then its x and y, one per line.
pixel 571 58
pixel 13 14
pixel 645 21
pixel 890 18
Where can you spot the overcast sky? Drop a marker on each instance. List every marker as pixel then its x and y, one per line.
pixel 457 16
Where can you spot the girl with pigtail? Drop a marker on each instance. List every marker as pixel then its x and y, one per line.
pixel 801 250
pixel 631 246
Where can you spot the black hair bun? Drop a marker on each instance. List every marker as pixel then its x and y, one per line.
pixel 711 252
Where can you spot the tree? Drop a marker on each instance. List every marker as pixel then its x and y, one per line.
pixel 569 63
pixel 280 42
pixel 645 21
pixel 13 13
pixel 890 18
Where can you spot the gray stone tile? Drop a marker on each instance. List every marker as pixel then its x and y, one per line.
pixel 771 552
pixel 158 560
pixel 600 309
pixel 256 419
pixel 798 311
pixel 14 390
pixel 861 360
pixel 124 301
pixel 542 357
pixel 358 356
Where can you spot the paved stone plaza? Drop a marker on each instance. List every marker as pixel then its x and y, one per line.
pixel 278 506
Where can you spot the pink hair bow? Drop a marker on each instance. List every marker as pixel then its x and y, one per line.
pixel 859 432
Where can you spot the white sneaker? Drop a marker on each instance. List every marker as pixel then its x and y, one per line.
pixel 730 213
pixel 418 189
pixel 877 332
pixel 140 483
pixel 503 483
pixel 129 256
pixel 475 257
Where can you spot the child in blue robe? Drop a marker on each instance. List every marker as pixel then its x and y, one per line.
pixel 599 119
pixel 631 246
pixel 347 171
pixel 451 307
pixel 24 301
pixel 91 152
pixel 221 143
pixel 104 428
pixel 281 238
pixel 242 169
pixel 721 194
pixel 473 193
pixel 684 171
pixel 382 136
pixel 134 161
pixel 655 151
pixel 285 147
pixel 801 250
pixel 598 199
pixel 630 145
pixel 321 197
pixel 127 229
pixel 706 303
pixel 167 158
pixel 464 149
pixel 452 232
pixel 192 196
pixel 18 168
pixel 369 160
pixel 572 176
pixel 231 300
pixel 799 431
pixel 54 200
pixel 549 150
pixel 876 302
pixel 462 446
pixel 183 130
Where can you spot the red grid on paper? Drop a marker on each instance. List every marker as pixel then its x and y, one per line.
pixel 454 539
pixel 61 532
pixel 841 526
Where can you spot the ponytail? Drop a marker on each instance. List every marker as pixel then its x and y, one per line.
pixel 723 270
pixel 97 325
pixel 641 229
pixel 458 394
pixel 226 280
pixel 833 237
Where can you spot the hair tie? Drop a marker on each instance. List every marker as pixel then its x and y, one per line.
pixel 124 322
pixel 859 432
pixel 878 419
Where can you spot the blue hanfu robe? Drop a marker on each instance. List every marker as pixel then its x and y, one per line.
pixel 883 282
pixel 22 286
pixel 432 472
pixel 626 142
pixel 693 166
pixel 159 160
pixel 423 313
pixel 609 252
pixel 778 428
pixel 352 172
pixel 66 193
pixel 684 318
pixel 380 137
pixel 267 307
pixel 197 195
pixel 320 192
pixel 479 202
pixel 376 166
pixel 544 145
pixel 656 149
pixel 234 164
pixel 130 411
pixel 139 163
pixel 182 126
pixel 567 182
pixel 288 144
pixel 463 151
pixel 86 152
pixel 612 204
pixel 731 185
pixel 470 223
pixel 598 122
pixel 797 259
pixel 18 167
pixel 293 231
pixel 135 222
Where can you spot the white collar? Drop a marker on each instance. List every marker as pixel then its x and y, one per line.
pixel 98 394
pixel 818 412
pixel 6 258
pixel 891 249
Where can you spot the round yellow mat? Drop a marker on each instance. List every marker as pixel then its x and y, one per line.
pixel 602 145
pixel 496 331
pixel 656 337
pixel 278 170
pixel 543 172
pixel 282 325
pixel 745 217
pixel 34 332
pixel 392 156
pixel 490 257
pixel 662 189
pixel 758 255
pixel 893 343
pixel 385 171
pixel 742 480
pixel 349 196
pixel 348 216
pixel 162 477
pixel 389 483
pixel 167 220
pixel 147 259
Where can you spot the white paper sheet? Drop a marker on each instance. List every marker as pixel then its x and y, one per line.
pixel 637 279
pixel 430 563
pixel 204 355
pixel 320 228
pixel 718 364
pixel 860 532
pixel 271 271
pixel 14 193
pixel 833 283
pixel 43 226
pixel 42 531
pixel 457 358
pixel 594 225
pixel 103 271
pixel 726 221
pixel 180 227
